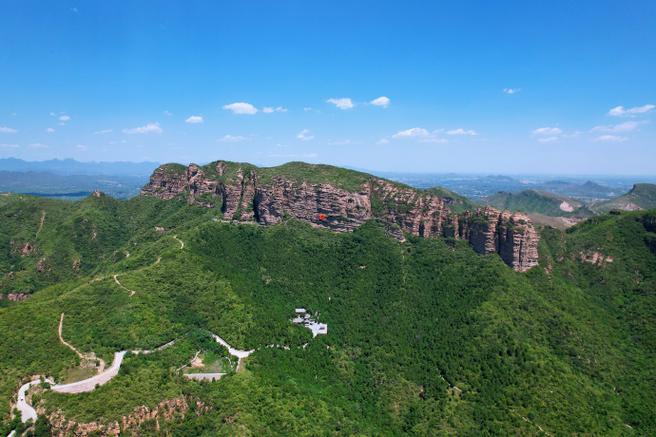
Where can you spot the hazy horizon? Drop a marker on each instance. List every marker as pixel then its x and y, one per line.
pixel 648 177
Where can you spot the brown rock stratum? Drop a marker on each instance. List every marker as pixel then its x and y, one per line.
pixel 243 194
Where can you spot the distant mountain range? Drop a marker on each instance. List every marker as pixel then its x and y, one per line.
pixel 72 179
pixel 559 211
pixel 477 187
pixel 641 196
pixel 541 202
pixel 72 167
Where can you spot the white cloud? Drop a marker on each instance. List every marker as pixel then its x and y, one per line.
pixel 50 130
pixel 627 126
pixel 81 147
pixel 420 134
pixel 168 113
pixel 9 146
pixel 621 111
pixel 461 131
pixel 231 139
pixel 103 132
pixel 150 128
pixel 511 90
pixel 342 103
pixel 271 110
pixel 7 130
pixel 381 101
pixel 194 119
pixel 415 132
pixel 38 146
pixel 610 139
pixel 307 109
pixel 241 108
pixel 64 118
pixel 383 141
pixel 305 135
pixel 548 139
pixel 548 131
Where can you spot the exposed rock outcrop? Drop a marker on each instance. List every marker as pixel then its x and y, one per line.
pixel 15 296
pixel 167 410
pixel 27 249
pixel 595 257
pixel 321 204
pixel 242 193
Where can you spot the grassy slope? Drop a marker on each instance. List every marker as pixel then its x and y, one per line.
pixel 475 348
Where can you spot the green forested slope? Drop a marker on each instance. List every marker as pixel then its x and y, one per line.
pixel 425 337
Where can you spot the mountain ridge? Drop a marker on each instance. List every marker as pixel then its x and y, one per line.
pixel 640 196
pixel 342 200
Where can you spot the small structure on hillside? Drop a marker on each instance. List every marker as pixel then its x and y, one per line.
pixel 303 317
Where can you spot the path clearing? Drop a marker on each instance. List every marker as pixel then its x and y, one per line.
pixel 132 292
pixel 204 376
pixel 41 221
pixel 89 357
pixel 175 237
pixel 64 342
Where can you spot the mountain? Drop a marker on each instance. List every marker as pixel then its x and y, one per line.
pixel 641 196
pixel 68 186
pixel 424 335
pixel 342 200
pixel 541 202
pixel 72 179
pixel 587 191
pixel 477 187
pixel 69 167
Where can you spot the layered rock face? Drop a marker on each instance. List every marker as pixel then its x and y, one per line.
pixel 320 204
pixel 511 235
pixel 243 195
pixel 167 410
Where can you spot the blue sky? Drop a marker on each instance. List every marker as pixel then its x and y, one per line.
pixel 504 87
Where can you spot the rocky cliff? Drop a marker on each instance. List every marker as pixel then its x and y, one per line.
pixel 165 411
pixel 341 200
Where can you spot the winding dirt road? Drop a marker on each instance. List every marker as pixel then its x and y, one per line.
pixel 90 384
pixel 240 354
pixel 27 412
